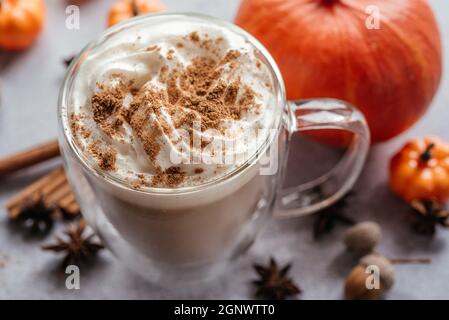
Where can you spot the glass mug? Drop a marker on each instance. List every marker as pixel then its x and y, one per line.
pixel 192 233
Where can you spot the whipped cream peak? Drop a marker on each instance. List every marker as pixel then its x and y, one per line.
pixel 178 105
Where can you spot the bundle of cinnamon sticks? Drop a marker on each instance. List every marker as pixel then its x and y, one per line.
pixel 53 188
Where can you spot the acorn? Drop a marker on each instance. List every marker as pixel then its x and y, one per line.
pixel 356 286
pixel 363 237
pixel 386 268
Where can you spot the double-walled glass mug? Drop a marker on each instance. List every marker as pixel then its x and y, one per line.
pixel 192 233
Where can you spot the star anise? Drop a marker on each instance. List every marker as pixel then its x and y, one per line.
pixel 274 283
pixel 77 247
pixel 68 215
pixel 36 216
pixel 67 61
pixel 427 214
pixel 328 217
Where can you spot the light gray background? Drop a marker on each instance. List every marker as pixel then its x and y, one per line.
pixel 28 89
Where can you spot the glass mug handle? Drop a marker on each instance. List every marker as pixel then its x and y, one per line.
pixel 318 114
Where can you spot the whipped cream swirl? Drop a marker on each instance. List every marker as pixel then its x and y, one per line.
pixel 175 105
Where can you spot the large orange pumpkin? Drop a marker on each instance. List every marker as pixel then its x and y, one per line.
pixel 331 48
pixel 21 21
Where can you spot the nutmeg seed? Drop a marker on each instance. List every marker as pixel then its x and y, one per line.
pixel 355 286
pixel 363 237
pixel 386 268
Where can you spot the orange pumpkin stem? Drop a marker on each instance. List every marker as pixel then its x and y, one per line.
pixel 135 8
pixel 329 2
pixel 427 154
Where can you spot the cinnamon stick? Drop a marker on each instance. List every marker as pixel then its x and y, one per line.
pixel 32 192
pixel 29 157
pixel 54 190
pixel 55 184
pixel 73 208
pixel 67 200
pixel 55 197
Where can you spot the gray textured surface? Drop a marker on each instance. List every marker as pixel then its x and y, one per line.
pixel 28 89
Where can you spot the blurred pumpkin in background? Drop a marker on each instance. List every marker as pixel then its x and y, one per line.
pixel 382 56
pixel 125 9
pixel 21 21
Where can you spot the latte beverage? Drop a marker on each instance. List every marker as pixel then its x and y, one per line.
pixel 179 113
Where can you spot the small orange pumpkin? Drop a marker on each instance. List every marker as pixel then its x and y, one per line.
pixel 21 21
pixel 125 9
pixel 420 170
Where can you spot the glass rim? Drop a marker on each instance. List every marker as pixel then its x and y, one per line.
pixel 63 117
